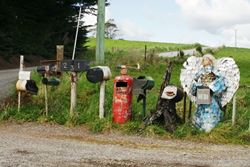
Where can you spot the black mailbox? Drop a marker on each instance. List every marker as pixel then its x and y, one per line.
pixel 98 74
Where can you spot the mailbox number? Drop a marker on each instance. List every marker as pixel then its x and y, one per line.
pixel 77 65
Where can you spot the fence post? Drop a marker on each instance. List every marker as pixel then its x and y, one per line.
pixel 234 110
pixel 19 92
pixel 102 99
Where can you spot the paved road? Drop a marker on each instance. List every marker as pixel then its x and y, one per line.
pixel 7 79
pixel 33 144
pixel 175 53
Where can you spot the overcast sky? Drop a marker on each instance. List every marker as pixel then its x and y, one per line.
pixel 210 22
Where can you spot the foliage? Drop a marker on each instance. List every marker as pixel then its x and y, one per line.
pixel 110 29
pixel 35 27
pixel 88 98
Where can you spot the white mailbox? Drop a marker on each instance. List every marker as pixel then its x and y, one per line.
pixel 24 75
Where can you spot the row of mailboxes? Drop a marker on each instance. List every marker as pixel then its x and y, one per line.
pixel 124 87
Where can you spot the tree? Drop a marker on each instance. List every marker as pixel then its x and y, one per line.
pixel 111 29
pixel 34 27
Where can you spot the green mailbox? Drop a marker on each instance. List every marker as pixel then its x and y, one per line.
pixel 140 87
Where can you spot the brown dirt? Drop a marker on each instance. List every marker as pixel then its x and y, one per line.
pixel 32 144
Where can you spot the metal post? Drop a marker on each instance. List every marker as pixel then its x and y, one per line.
pixel 77 28
pixel 234 98
pixel 46 91
pixel 234 110
pixel 190 109
pixel 102 99
pixel 100 32
pixel 144 103
pixel 184 107
pixel 19 92
pixel 46 100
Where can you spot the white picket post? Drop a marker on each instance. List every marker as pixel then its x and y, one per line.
pixel 102 99
pixel 19 92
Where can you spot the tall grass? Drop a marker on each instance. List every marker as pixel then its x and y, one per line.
pixel 88 99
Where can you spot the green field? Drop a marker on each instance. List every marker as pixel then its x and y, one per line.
pixel 114 45
pixel 88 97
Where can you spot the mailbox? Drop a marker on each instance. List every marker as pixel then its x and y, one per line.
pixel 51 81
pixel 140 87
pixel 144 82
pixel 24 83
pixel 98 74
pixel 27 86
pixel 51 69
pixel 172 92
pixel 122 99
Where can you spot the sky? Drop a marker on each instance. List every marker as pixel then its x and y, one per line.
pixel 209 22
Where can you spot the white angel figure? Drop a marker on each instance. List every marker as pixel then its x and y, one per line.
pixel 210 84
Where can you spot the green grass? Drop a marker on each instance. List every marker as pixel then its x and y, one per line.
pixel 115 45
pixel 88 98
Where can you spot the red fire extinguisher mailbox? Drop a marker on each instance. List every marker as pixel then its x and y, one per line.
pixel 122 98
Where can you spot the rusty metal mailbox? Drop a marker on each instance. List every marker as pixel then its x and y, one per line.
pixel 122 99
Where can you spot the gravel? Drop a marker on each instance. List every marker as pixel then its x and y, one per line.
pixel 32 144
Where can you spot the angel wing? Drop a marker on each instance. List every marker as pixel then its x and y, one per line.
pixel 191 67
pixel 225 66
pixel 230 71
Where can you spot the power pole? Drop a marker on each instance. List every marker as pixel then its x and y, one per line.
pixel 100 32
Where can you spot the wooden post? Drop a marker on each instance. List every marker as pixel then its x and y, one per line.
pixel 234 110
pixel 102 99
pixel 59 55
pixel 145 54
pixel 19 92
pixel 73 93
pixel 144 103
pixel 46 91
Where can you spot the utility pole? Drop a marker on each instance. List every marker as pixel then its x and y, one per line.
pixel 235 38
pixel 100 32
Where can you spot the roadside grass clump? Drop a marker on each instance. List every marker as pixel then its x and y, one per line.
pixel 87 111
